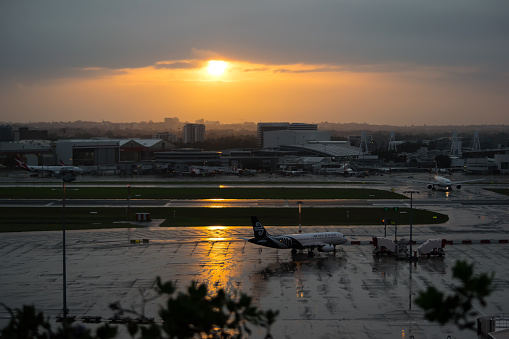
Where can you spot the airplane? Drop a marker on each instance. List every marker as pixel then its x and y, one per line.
pixel 443 182
pixel 56 170
pixel 323 241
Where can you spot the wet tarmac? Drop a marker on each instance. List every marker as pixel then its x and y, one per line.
pixel 348 294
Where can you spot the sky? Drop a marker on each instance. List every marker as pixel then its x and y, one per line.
pixel 395 62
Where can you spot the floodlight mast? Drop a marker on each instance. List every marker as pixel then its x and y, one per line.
pixel 411 208
pixel 300 216
pixel 63 255
pixel 67 178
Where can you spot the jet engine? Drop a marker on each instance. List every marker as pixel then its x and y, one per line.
pixel 326 248
pixel 458 186
pixel 430 186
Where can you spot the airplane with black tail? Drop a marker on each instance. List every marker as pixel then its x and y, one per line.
pixel 322 241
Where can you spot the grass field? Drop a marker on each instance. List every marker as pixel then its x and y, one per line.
pixel 503 191
pixel 17 219
pixel 194 193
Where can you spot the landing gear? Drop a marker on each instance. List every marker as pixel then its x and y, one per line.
pixel 294 250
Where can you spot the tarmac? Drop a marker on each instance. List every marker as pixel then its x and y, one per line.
pixel 347 294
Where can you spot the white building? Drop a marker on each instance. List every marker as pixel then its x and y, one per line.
pixel 264 127
pixel 278 138
pixel 502 163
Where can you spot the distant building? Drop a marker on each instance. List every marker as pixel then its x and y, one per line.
pixel 263 127
pixel 297 126
pixel 502 162
pixel 172 124
pixel 179 160
pixel 477 165
pixel 275 139
pixel 138 150
pixel 193 133
pixel 26 134
pixel 168 136
pixel 88 152
pixel 34 149
pixel 6 133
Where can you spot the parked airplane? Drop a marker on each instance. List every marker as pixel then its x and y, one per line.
pixel 443 182
pixel 323 241
pixel 56 170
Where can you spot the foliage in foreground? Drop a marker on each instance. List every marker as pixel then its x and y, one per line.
pixel 194 314
pixel 457 308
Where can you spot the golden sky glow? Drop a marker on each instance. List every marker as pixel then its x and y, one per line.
pixel 398 62
pixel 254 92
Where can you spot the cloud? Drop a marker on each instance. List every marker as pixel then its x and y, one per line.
pixel 204 54
pixel 118 34
pixel 187 64
pixel 260 69
pixel 312 70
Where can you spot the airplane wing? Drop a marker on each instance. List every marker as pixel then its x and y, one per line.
pixel 463 181
pixel 425 182
pixel 315 244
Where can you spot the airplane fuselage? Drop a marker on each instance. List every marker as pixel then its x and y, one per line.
pixel 443 182
pixel 55 169
pixel 49 169
pixel 301 240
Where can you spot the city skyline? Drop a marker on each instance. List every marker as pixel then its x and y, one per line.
pixel 394 63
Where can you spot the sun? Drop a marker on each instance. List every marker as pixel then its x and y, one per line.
pixel 216 67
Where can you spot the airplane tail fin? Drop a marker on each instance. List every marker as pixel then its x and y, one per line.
pixel 259 230
pixel 21 164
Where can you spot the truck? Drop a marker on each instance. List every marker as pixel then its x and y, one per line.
pixel 432 247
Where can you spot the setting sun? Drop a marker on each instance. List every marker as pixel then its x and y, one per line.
pixel 216 67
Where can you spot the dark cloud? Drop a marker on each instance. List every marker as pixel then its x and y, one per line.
pixel 178 65
pixel 261 69
pixel 313 70
pixel 57 38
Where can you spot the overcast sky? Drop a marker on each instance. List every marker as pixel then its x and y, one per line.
pixel 398 62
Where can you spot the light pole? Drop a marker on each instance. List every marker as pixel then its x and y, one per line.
pixel 300 216
pixel 128 198
pixel 411 208
pixel 385 222
pixel 65 179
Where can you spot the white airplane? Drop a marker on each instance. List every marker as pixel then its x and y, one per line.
pixel 56 170
pixel 323 241
pixel 443 182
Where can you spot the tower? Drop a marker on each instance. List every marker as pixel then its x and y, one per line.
pixel 363 148
pixel 476 144
pixel 392 142
pixel 455 145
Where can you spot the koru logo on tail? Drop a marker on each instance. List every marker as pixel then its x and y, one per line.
pixel 258 228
